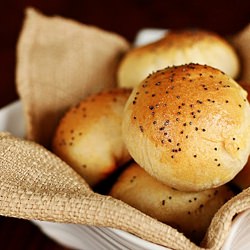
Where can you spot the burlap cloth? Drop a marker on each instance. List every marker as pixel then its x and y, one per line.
pixel 59 62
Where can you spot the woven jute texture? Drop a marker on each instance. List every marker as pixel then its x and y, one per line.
pixel 36 184
pixel 59 62
pixel 51 76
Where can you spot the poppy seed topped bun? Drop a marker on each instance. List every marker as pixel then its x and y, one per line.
pixel 89 137
pixel 188 126
pixel 189 212
pixel 177 48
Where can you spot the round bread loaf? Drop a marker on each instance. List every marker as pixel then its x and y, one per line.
pixel 88 137
pixel 189 212
pixel 177 48
pixel 188 126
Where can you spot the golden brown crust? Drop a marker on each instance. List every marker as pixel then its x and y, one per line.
pixel 189 212
pixel 188 126
pixel 89 138
pixel 177 48
pixel 242 179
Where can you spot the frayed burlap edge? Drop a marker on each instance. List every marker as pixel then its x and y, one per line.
pixel 222 221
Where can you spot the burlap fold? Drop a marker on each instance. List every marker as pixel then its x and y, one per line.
pixel 60 62
pixel 36 184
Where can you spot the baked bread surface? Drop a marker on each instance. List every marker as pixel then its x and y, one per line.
pixel 89 138
pixel 177 48
pixel 188 126
pixel 189 212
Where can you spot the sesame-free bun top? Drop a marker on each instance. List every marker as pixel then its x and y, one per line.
pixel 188 126
pixel 189 212
pixel 177 48
pixel 89 137
pixel 242 179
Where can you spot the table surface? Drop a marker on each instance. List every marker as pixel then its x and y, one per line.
pixel 123 17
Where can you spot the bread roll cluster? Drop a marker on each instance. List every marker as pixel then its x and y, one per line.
pixel 184 124
pixel 188 128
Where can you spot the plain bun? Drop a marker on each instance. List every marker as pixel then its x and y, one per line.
pixel 88 137
pixel 177 48
pixel 188 126
pixel 189 212
pixel 242 179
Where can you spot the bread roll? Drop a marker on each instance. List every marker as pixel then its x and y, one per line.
pixel 189 212
pixel 188 126
pixel 242 179
pixel 177 48
pixel 89 137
